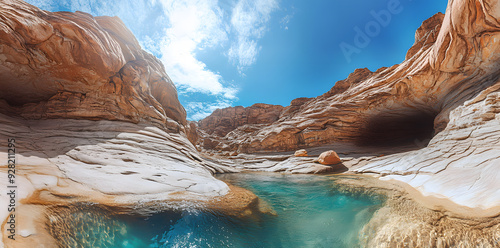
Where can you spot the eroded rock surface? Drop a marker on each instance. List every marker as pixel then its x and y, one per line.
pixel 95 119
pixel 85 103
pixel 114 163
pixel 82 72
pixel 74 65
pixel 223 121
pixel 431 121
pixel 454 58
pixel 460 163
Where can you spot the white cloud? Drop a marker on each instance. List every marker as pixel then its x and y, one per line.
pixel 285 20
pixel 249 19
pixel 245 52
pixel 193 25
pixel 176 30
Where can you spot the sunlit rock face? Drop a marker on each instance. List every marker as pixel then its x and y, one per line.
pixel 443 101
pixel 454 58
pixel 94 117
pixel 74 65
pixel 235 120
pixel 459 163
pixel 223 121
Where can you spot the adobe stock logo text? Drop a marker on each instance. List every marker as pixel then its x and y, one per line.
pixel 364 35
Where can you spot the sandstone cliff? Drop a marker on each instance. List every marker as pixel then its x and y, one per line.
pixel 454 58
pixel 441 106
pixel 84 103
pixel 94 118
pixel 223 121
pixel 72 65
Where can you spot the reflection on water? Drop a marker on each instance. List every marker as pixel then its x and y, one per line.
pixel 311 212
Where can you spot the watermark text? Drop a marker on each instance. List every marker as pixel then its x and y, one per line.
pixel 364 35
pixel 11 188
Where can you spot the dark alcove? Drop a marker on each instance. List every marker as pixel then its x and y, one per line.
pixel 398 128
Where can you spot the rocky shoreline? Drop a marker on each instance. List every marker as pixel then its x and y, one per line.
pixel 102 124
pixel 409 219
pixel 406 219
pixel 431 121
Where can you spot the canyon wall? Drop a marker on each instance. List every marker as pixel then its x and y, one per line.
pixel 223 121
pixel 93 118
pixel 432 121
pixel 84 102
pixel 74 65
pixel 454 57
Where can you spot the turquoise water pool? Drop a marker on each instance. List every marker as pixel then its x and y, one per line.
pixel 311 212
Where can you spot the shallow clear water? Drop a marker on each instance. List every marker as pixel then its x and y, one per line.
pixel 311 212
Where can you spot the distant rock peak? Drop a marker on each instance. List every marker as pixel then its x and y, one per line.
pixel 223 121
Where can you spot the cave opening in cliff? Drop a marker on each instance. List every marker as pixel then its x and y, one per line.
pixel 398 128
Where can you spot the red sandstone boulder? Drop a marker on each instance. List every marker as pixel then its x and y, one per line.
pixel 329 158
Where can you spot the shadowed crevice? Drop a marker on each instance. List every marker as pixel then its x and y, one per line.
pixel 398 128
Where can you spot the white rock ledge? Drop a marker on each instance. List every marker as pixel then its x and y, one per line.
pixel 119 162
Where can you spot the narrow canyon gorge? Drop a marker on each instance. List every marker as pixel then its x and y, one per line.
pixel 96 119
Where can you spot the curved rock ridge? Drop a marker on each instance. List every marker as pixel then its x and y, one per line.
pixel 84 103
pixel 432 121
pixel 72 65
pixel 460 163
pixel 95 120
pixel 454 58
pixel 113 163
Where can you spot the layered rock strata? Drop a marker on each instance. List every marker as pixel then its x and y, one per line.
pixel 454 58
pixel 84 103
pixel 94 119
pixel 223 121
pixel 74 65
pixel 432 121
pixel 235 120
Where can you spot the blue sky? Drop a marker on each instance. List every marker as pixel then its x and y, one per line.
pixel 240 52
